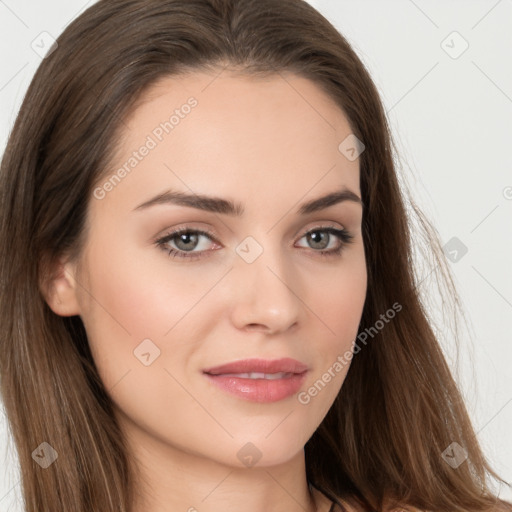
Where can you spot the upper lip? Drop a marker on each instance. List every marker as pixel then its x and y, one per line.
pixel 285 365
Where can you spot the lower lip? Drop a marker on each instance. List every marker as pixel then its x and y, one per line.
pixel 259 390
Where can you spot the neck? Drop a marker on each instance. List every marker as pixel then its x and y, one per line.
pixel 172 479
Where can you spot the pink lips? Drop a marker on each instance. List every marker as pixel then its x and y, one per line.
pixel 285 365
pixel 257 388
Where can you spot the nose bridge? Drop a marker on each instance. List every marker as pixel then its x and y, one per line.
pixel 264 280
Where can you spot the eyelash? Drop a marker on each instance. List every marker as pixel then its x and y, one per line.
pixel 345 237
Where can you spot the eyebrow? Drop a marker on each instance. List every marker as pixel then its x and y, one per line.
pixel 227 207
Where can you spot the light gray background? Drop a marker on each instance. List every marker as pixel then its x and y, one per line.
pixel 452 119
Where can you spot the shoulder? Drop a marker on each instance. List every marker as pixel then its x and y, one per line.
pixel 350 505
pixel 354 506
pixel 501 506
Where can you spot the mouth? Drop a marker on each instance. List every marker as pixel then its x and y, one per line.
pixel 256 375
pixel 259 380
pixel 258 366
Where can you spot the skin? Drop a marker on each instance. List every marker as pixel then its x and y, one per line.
pixel 270 144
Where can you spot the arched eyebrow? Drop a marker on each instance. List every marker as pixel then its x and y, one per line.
pixel 228 207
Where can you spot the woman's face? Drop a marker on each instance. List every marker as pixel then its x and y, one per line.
pixel 266 282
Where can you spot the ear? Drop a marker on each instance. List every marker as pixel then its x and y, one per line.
pixel 60 288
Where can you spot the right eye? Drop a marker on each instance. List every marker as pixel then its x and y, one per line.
pixel 184 237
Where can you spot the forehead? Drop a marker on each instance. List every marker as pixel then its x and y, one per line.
pixel 237 94
pixel 222 133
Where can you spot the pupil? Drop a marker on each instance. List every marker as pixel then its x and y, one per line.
pixel 185 238
pixel 316 234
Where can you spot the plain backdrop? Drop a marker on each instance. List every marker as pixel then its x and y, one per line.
pixel 444 73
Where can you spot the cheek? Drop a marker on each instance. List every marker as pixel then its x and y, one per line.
pixel 340 299
pixel 127 303
pixel 144 299
pixel 339 305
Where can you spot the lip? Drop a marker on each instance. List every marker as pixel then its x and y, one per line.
pixel 286 365
pixel 259 389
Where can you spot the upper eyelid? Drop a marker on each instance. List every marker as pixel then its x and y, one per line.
pixel 205 232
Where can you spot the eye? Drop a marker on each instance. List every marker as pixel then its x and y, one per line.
pixel 321 236
pixel 185 240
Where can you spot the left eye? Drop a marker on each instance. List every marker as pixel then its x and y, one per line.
pixel 186 240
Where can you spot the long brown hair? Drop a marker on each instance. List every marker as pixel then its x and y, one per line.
pixel 399 409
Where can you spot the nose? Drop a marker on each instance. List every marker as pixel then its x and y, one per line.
pixel 266 294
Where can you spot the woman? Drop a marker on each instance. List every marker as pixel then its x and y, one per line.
pixel 261 371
